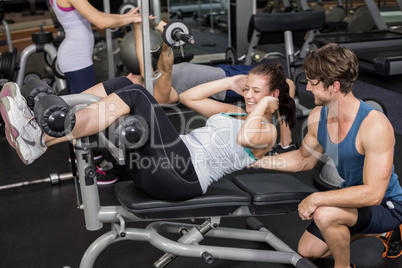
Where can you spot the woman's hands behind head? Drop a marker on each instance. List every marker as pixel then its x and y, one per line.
pixel 272 104
pixel 238 83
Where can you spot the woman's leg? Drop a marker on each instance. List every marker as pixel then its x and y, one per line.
pixel 93 119
pixel 97 116
pixel 162 166
pixel 107 87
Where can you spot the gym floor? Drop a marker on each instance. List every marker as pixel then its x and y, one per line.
pixel 42 226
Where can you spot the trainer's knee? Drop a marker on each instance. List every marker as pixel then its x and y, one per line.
pixel 324 217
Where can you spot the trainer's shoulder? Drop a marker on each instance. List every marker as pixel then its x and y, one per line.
pixel 376 124
pixel 315 114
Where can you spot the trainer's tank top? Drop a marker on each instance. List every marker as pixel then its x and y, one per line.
pixel 214 150
pixel 348 161
pixel 75 51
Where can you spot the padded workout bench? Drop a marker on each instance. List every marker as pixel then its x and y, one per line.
pixel 244 195
pixel 283 28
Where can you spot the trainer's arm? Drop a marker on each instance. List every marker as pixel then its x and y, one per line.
pixel 376 141
pixel 305 158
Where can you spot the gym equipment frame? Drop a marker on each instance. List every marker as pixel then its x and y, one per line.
pixel 243 195
pixel 42 43
pixel 379 51
pixel 281 28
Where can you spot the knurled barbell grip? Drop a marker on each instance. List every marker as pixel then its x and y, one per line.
pixel 179 35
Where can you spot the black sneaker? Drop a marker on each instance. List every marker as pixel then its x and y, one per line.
pixel 291 147
pixel 105 178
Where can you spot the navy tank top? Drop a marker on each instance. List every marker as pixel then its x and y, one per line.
pixel 348 161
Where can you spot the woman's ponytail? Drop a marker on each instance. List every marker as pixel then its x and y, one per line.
pixel 287 107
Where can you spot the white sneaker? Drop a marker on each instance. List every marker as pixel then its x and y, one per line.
pixel 13 91
pixel 22 131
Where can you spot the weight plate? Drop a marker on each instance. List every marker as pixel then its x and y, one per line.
pixel 231 56
pixel 48 59
pixel 170 28
pixel 13 64
pixel 29 76
pixel 376 103
pixel 8 62
pixel 42 37
pixel 56 70
pixel 126 7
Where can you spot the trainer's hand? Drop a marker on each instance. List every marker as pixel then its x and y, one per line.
pixel 306 208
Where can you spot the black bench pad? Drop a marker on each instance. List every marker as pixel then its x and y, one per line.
pixel 273 193
pixel 223 197
pixel 272 26
pixel 280 22
pixel 262 193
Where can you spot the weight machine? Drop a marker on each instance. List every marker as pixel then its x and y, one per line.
pixel 7 58
pixel 242 195
pixel 6 28
pixel 379 50
pixel 287 29
pixel 42 43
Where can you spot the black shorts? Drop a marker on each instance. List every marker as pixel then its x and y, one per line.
pixel 371 220
pixel 80 80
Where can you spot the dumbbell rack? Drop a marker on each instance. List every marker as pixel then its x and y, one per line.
pixel 7 58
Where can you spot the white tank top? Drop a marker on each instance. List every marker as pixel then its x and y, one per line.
pixel 214 149
pixel 75 52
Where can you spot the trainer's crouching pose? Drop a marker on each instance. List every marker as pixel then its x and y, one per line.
pixel 361 141
pixel 232 138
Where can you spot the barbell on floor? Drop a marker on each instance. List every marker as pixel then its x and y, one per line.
pixel 53 178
